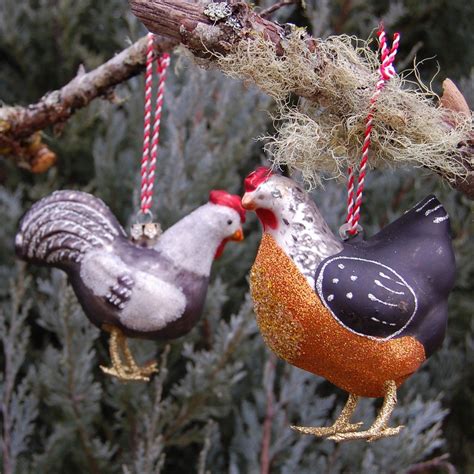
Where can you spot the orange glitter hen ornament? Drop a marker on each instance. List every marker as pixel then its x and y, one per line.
pixel 365 314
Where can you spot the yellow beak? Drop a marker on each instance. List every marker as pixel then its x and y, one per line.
pixel 248 203
pixel 238 235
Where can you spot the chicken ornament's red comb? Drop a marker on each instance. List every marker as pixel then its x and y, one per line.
pixel 223 198
pixel 256 178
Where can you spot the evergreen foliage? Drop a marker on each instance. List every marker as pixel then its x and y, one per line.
pixel 206 409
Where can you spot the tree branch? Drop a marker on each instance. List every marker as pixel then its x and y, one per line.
pixel 201 32
pixel 433 465
pixel 18 124
pixel 276 6
pixel 204 33
pixel 205 30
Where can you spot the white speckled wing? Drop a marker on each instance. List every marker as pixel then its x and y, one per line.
pixel 143 302
pixel 153 304
pixel 100 270
pixel 366 297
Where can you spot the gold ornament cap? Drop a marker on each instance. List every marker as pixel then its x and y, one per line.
pixel 145 234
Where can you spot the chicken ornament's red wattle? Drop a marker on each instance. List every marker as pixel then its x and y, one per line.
pixel 267 218
pixel 236 237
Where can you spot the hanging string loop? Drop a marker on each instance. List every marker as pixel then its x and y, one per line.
pixel 151 128
pixel 145 231
pixel 354 198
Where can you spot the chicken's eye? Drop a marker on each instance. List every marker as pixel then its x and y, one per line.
pixel 229 222
pixel 260 196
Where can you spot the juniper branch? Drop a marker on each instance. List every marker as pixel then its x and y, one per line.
pixel 14 337
pixel 276 6
pixel 154 458
pixel 440 462
pixel 270 369
pixel 199 399
pixel 71 387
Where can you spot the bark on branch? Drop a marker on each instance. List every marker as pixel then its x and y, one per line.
pixel 204 32
pixel 19 124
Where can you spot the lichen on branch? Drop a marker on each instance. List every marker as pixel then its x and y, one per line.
pixel 336 77
pixel 325 131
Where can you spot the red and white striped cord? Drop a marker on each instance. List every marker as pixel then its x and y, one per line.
pixel 386 72
pixel 151 131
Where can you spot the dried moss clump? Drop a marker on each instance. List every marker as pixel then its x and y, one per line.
pixel 324 132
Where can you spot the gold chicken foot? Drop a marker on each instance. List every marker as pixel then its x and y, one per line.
pixel 341 425
pixel 125 368
pixel 343 430
pixel 379 428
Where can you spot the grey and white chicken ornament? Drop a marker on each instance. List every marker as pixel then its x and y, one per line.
pixel 127 289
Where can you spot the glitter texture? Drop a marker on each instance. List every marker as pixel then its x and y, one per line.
pixel 128 369
pixel 299 329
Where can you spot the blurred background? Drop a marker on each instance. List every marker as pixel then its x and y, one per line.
pixel 206 409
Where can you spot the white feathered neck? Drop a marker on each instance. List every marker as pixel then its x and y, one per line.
pixel 192 242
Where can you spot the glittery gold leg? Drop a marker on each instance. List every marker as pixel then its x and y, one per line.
pixel 129 370
pixel 145 370
pixel 341 425
pixel 379 428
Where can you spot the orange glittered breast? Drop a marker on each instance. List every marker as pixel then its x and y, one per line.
pixel 301 330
